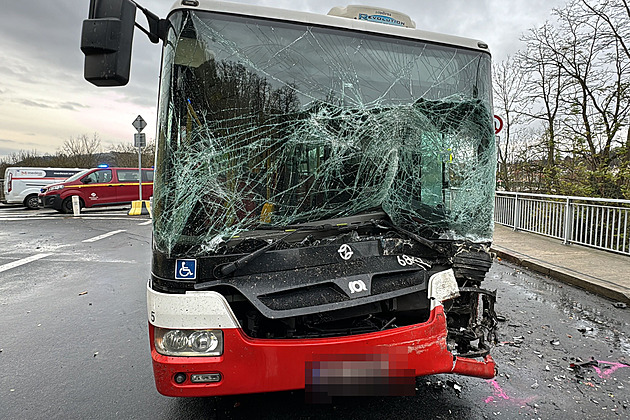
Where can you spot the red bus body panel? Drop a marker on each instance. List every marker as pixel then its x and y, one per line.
pixel 262 365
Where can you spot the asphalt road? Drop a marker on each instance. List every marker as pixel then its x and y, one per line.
pixel 73 340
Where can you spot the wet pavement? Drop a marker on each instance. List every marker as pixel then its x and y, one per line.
pixel 598 271
pixel 562 352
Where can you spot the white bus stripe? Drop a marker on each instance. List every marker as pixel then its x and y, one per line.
pixel 23 261
pixel 105 235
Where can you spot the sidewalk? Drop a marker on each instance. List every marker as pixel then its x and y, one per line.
pixel 600 272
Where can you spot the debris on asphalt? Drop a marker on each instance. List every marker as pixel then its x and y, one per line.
pixel 95 353
pixel 435 385
pixel 620 305
pixel 578 365
pixel 509 343
pixel 457 387
pixel 83 293
pixel 585 329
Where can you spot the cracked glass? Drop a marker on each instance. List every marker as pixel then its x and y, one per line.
pixel 269 123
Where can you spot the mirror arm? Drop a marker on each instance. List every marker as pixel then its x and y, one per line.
pixel 157 26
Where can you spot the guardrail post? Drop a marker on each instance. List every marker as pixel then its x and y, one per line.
pixel 568 221
pixel 516 213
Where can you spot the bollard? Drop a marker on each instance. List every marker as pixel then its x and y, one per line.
pixel 76 205
pixel 139 207
pixel 151 207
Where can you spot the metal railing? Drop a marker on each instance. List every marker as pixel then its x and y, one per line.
pixel 595 222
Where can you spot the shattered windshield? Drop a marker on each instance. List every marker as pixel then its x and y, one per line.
pixel 273 123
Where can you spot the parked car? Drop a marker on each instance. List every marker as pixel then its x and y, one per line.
pixel 22 185
pixel 98 187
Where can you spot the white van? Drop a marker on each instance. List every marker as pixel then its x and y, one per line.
pixel 21 185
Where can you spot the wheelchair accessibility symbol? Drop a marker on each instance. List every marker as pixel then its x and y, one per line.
pixel 186 269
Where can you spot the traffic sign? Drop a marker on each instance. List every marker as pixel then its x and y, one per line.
pixel 498 124
pixel 139 140
pixel 139 123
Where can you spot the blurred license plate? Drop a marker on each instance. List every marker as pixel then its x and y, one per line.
pixel 375 375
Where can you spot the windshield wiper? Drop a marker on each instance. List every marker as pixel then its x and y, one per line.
pixel 229 268
pixel 423 241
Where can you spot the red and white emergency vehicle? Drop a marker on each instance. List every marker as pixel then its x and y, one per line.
pixel 103 186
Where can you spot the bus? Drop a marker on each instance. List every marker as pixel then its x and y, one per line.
pixel 323 201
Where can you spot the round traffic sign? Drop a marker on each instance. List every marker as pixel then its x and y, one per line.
pixel 498 124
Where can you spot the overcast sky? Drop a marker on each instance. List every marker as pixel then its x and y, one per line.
pixel 44 99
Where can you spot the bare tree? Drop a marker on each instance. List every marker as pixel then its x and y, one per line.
pixel 599 71
pixel 23 158
pixel 511 104
pixel 81 151
pixel 616 17
pixel 544 88
pixel 127 155
pixel 579 70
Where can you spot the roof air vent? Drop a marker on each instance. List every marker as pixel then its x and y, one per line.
pixel 373 14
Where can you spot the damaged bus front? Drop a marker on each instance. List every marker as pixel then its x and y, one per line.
pixel 323 203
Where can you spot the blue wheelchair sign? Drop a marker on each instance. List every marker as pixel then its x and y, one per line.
pixel 186 269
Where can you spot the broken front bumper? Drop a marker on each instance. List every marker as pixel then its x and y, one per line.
pixel 247 365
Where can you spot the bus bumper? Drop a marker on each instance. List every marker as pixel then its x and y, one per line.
pixel 380 363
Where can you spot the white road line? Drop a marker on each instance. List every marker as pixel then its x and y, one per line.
pixel 23 261
pixel 148 222
pixel 104 235
pixel 16 219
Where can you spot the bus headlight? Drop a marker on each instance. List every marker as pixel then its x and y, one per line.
pixel 188 342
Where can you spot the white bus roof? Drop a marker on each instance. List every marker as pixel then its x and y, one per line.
pixel 330 21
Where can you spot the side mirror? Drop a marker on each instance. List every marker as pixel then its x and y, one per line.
pixel 86 180
pixel 106 40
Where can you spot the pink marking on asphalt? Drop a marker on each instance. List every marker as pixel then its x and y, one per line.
pixel 499 394
pixel 606 372
pixel 498 391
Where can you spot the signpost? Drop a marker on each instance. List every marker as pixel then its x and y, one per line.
pixel 139 141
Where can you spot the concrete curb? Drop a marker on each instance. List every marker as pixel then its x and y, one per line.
pixel 584 281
